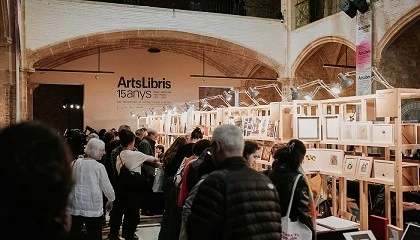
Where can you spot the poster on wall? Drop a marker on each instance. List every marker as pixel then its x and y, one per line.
pixel 138 95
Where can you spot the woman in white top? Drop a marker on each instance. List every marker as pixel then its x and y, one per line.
pixel 91 180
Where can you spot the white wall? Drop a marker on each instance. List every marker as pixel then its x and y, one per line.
pixel 48 22
pixel 102 106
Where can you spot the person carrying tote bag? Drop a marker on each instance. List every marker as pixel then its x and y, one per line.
pixel 294 230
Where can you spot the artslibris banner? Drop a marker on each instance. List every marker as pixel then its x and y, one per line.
pixel 364 53
pixel 138 95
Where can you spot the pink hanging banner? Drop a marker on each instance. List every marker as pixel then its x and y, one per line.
pixel 364 53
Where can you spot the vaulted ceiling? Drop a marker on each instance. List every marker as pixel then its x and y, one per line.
pixel 229 58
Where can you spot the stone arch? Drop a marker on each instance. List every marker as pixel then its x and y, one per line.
pixel 230 58
pixel 315 45
pixel 396 30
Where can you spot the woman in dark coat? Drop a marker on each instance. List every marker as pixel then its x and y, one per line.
pixel 286 167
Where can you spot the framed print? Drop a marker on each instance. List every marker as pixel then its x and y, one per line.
pixel 333 160
pixel 364 167
pixel 331 128
pixel 347 131
pixel 360 235
pixel 363 131
pixel 266 150
pixel 349 165
pixel 308 128
pixel 394 233
pixel 383 133
pixel 312 160
pixel 412 231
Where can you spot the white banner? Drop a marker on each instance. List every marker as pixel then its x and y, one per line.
pixel 364 53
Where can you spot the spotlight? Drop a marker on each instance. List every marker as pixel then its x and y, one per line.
pixel 348 7
pixel 296 93
pixel 64 106
pixel 345 81
pixel 77 106
pixel 189 105
pixel 227 95
pixel 71 106
pixel 281 17
pixel 361 5
pixel 253 92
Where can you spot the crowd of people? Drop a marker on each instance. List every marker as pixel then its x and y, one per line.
pixel 210 189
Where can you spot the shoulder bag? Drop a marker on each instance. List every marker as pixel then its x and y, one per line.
pixel 294 230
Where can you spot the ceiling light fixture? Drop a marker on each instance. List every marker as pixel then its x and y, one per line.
pixel 153 50
pixel 253 92
pixel 345 81
pixel 228 96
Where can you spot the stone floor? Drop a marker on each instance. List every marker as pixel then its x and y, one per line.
pixel 148 229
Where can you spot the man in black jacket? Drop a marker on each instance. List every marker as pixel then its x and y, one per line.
pixel 152 201
pixel 235 201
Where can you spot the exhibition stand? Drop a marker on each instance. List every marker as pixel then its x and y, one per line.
pixel 372 124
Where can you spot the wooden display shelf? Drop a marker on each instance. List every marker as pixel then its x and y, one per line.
pixel 406 188
pixel 176 134
pixel 259 138
pixel 357 144
pixel 370 180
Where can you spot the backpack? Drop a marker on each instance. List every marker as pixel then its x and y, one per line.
pixel 323 208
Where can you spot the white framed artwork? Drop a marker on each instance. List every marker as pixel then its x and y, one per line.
pixel 363 132
pixel 364 167
pixel 312 160
pixel 347 131
pixel 359 235
pixel 333 160
pixel 350 165
pixel 308 128
pixel 383 133
pixel 331 127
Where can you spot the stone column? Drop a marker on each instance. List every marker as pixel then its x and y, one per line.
pixel 7 66
pixel 30 100
pixel 24 95
pixel 286 84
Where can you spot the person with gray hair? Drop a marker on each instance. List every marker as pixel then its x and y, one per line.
pixel 234 201
pixel 91 180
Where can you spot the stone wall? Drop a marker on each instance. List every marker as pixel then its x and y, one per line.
pixel 7 65
pixel 400 62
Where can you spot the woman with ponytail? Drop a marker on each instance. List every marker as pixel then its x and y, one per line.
pixel 286 168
